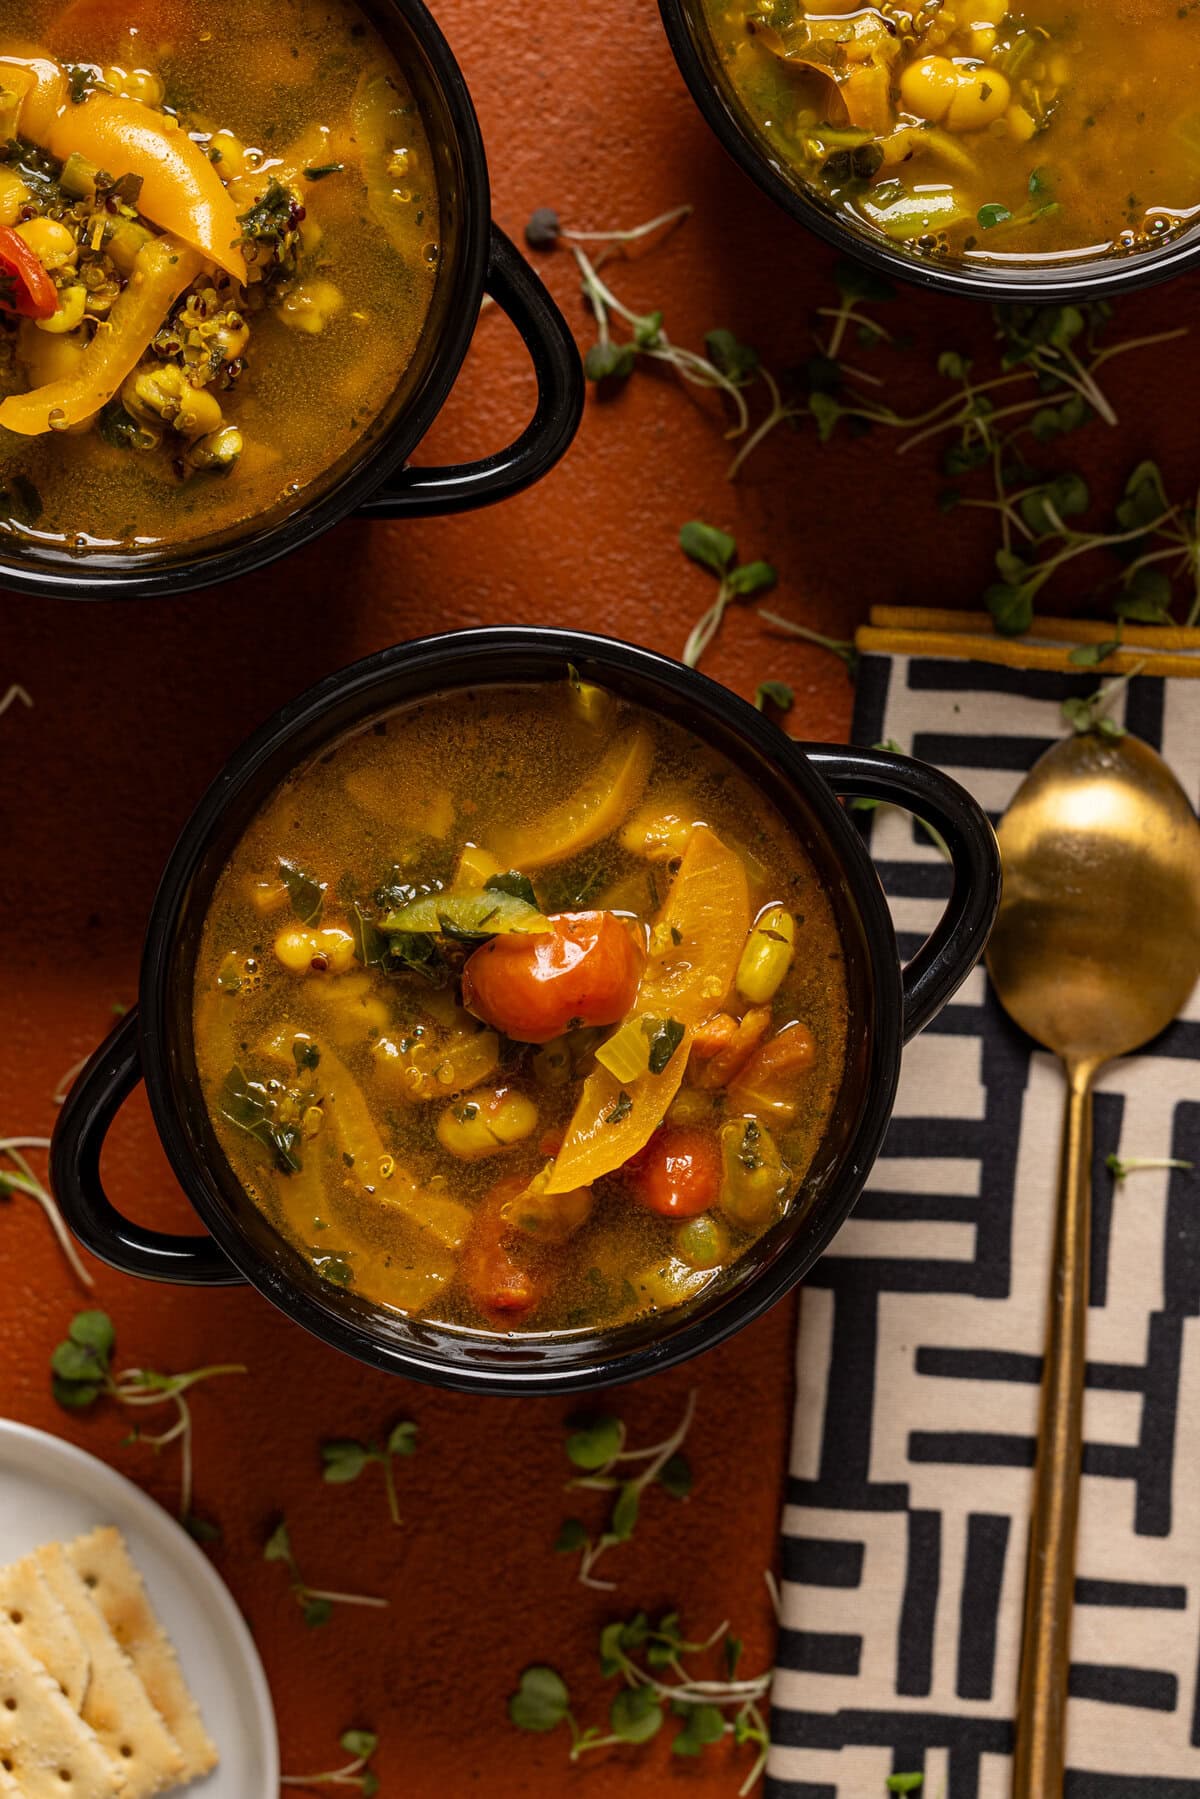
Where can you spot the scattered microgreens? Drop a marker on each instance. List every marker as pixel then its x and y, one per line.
pixel 343 1460
pixel 360 1745
pixel 649 1661
pixel 1121 1169
pixel 19 1177
pixel 1045 387
pixel 861 803
pixel 596 1445
pixel 717 552
pixel 315 1602
pixel 728 366
pixel 774 693
pixel 81 1369
pixel 13 696
pixel 1092 713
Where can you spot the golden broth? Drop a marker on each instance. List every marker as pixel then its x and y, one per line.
pixel 301 86
pixel 375 1073
pixel 976 129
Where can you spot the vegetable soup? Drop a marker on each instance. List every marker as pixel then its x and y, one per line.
pixel 520 1008
pixel 219 238
pixel 979 128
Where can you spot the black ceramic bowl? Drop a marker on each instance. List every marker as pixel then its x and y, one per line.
pixel 887 1006
pixel 1048 281
pixel 374 478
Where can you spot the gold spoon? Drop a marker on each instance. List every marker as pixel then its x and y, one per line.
pixel 1095 950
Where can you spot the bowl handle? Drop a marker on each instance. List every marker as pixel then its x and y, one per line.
pixel 88 1111
pixel 425 492
pixel 945 959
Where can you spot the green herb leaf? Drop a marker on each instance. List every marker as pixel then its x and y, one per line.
pixel 993 214
pixel 675 1476
pixel 361 1743
pixel 736 360
pixel 315 1612
pixel 620 1109
pixel 278 1546
pixel 1011 609
pixel 625 1511
pixel 752 577
pixel 704 1724
pixel 774 693
pixel 306 894
pixel 905 1783
pixel 514 883
pixel 610 361
pixel 594 1442
pixel 343 1461
pixel 636 1715
pixel 402 1439
pixel 541 1701
pixel 572 1537
pixel 713 549
pixel 94 1331
pixel 1089 655
pixel 666 1035
pixel 322 170
pixel 201 1530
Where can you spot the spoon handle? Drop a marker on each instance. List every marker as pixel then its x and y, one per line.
pixel 1040 1753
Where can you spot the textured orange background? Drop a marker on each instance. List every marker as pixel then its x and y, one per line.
pixel 137 706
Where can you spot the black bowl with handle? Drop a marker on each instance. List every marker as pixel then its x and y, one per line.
pixel 375 479
pixel 1042 281
pixel 888 1004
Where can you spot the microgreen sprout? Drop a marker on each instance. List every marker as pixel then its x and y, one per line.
pixel 905 1783
pixel 343 1460
pixel 13 696
pixel 1093 714
pixel 81 1371
pixel 650 1661
pixel 597 1446
pixel 727 366
pixel 360 1746
pixel 717 552
pixel 774 693
pixel 316 1603
pixel 837 646
pixel 1121 1168
pixel 19 1177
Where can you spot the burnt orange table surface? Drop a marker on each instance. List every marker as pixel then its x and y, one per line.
pixel 137 705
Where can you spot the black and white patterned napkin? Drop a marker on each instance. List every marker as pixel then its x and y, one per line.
pixel 920 1348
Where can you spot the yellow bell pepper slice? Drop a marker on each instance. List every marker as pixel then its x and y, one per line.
pixel 695 945
pixel 181 190
pixel 163 269
pixel 43 89
pixel 591 813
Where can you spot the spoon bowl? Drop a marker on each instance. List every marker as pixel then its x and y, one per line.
pixel 1095 950
pixel 1097 943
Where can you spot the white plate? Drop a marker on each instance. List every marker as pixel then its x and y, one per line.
pixel 51 1490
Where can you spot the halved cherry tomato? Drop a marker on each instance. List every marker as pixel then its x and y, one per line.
pixel 25 287
pixel 497 1283
pixel 584 971
pixel 678 1174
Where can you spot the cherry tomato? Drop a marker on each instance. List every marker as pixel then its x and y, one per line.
pixel 25 287
pixel 497 1283
pixel 583 971
pixel 678 1174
